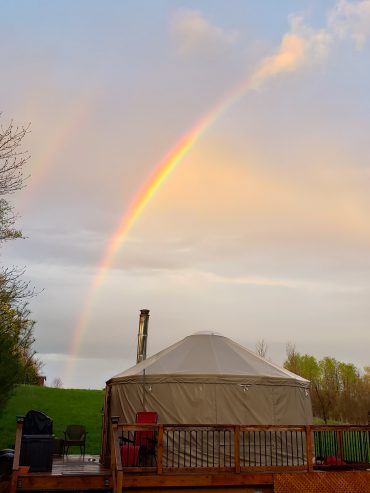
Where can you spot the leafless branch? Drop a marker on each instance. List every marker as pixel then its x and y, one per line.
pixel 12 160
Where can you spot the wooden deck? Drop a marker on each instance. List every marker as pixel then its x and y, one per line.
pixel 226 458
pixel 73 473
pixel 233 458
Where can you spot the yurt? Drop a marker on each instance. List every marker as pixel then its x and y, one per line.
pixel 207 378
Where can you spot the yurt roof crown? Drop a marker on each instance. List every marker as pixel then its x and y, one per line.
pixel 208 353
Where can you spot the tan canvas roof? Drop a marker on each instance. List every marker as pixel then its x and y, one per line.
pixel 208 354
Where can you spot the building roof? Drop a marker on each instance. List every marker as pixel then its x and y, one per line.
pixel 208 353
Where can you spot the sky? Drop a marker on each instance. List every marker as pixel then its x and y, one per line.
pixel 206 160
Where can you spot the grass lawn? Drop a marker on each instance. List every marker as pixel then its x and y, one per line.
pixel 64 406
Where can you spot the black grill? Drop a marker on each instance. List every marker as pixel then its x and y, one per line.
pixel 37 442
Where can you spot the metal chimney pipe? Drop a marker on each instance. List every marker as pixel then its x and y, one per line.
pixel 142 336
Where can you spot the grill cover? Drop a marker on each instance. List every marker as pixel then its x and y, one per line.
pixel 37 442
pixel 37 423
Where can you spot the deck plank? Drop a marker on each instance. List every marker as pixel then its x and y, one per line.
pixel 72 472
pixel 73 464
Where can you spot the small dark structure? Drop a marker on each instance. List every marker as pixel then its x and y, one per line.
pixel 37 442
pixel 41 379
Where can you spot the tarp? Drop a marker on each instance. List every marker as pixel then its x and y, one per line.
pixel 209 379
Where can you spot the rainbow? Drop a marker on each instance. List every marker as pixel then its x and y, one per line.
pixel 165 167
pixel 68 125
pixel 287 58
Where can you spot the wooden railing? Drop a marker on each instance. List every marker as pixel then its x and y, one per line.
pixel 341 446
pixel 237 448
pixel 275 448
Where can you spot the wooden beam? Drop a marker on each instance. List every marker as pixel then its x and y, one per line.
pixel 116 463
pixel 195 480
pixel 17 453
pixel 40 482
pixel 119 481
pixel 116 452
pixel 18 442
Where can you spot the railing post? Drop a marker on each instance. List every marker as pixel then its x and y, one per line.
pixel 237 448
pixel 160 450
pixel 114 420
pixel 115 457
pixel 368 433
pixel 340 445
pixel 17 453
pixel 309 448
pixel 119 481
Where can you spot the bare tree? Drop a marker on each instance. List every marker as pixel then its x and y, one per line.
pixel 261 348
pixel 12 159
pixel 57 383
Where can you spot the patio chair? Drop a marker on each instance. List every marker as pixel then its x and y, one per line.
pixel 75 436
pixel 136 452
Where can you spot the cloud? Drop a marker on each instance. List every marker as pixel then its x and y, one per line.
pixel 349 20
pixel 302 45
pixel 194 34
pixel 189 277
pixel 277 282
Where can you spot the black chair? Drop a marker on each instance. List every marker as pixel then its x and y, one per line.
pixel 75 436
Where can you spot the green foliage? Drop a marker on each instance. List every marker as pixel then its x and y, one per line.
pixel 338 391
pixel 10 367
pixel 7 230
pixel 17 361
pixel 64 406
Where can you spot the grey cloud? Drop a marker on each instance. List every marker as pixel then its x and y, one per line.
pixel 82 248
pixel 196 36
pixel 351 20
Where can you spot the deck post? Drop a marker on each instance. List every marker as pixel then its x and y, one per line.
pixel 368 423
pixel 119 484
pixel 17 453
pixel 116 465
pixel 309 448
pixel 105 435
pixel 160 450
pixel 237 448
pixel 113 458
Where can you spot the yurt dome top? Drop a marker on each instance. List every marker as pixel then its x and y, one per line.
pixel 209 353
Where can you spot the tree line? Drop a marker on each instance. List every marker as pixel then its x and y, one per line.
pixel 18 363
pixel 339 391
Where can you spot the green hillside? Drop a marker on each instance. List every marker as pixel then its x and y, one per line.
pixel 64 406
